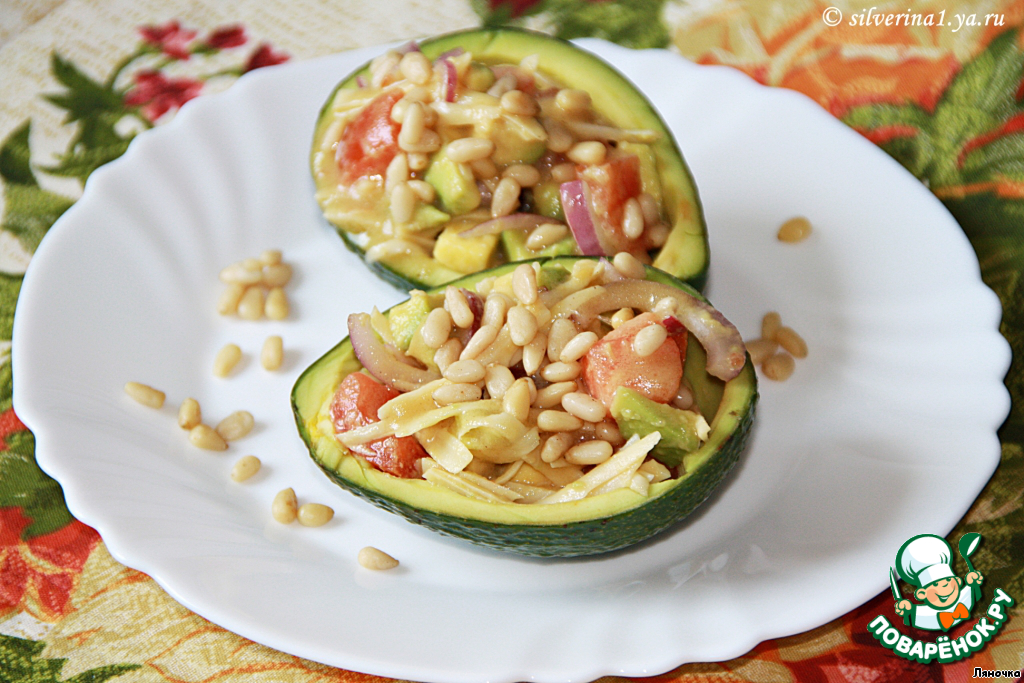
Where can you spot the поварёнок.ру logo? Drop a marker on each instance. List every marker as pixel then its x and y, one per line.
pixel 944 600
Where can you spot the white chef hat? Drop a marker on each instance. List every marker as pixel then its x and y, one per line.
pixel 924 559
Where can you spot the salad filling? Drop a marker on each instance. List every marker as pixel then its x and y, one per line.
pixel 474 164
pixel 546 384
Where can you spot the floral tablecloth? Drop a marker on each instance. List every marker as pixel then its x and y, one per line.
pixel 943 94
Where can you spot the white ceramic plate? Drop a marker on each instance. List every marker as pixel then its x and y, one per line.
pixel 898 400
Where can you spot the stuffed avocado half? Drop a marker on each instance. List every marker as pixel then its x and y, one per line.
pixel 477 148
pixel 615 412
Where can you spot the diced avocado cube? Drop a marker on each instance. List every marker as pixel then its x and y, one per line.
pixel 552 275
pixel 547 201
pixel 464 254
pixel 639 415
pixel 407 317
pixel 514 244
pixel 479 77
pixel 454 183
pixel 517 140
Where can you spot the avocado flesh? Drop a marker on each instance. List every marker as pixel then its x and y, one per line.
pixel 588 526
pixel 638 415
pixel 684 255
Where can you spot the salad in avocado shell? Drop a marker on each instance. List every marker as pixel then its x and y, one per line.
pixel 558 407
pixel 465 151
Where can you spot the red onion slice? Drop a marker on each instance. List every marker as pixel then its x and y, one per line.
pixel 515 221
pixel 454 52
pixel 451 80
pixel 719 337
pixel 411 46
pixel 578 215
pixel 379 362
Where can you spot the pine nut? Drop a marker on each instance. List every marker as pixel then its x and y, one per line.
pixel 557 421
pixel 562 330
pixel 203 436
pixel 518 103
pixel 573 102
pixel 657 234
pixel 416 68
pixel 468 371
pixel 429 142
pixel 588 153
pixel 397 171
pixel 226 360
pixel 506 198
pixel 250 307
pixel 423 190
pixel 502 85
pixel 314 514
pixel 419 93
pixel 623 315
pixel 770 324
pixel 484 169
pixel 779 367
pixel 649 206
pixel 479 342
pixel 466 150
pixel 524 283
pixel 447 354
pixel 377 560
pixel 403 203
pixel 238 274
pixel 458 307
pixel 791 341
pixel 516 401
pixel 795 230
pixel 546 235
pixel 399 109
pixel 666 306
pixel 563 173
pixel 436 328
pixel 498 380
pixel 560 140
pixel 145 394
pixel 684 398
pixel 522 324
pixel 495 307
pixel 456 393
pixel 551 395
pixel 189 414
pixel 236 425
pixel 413 125
pixel 555 445
pixel 649 339
pixel 484 286
pixel 577 347
pixel 609 431
pixel 276 306
pixel 272 353
pixel 285 507
pixel 270 257
pixel 227 304
pixel 418 161
pixel 761 349
pixel 629 266
pixel 525 175
pixel 632 219
pixel 277 275
pixel 534 353
pixel 589 453
pixel 245 468
pixel 584 406
pixel 382 66
pixel 561 372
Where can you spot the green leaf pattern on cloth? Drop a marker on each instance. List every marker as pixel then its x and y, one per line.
pixel 21 662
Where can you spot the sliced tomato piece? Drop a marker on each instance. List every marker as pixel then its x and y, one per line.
pixel 611 363
pixel 610 185
pixel 355 404
pixel 370 141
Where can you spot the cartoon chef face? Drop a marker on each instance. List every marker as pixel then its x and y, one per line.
pixel 940 594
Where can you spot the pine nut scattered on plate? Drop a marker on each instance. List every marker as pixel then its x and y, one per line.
pixel 203 436
pixel 779 367
pixel 285 507
pixel 145 394
pixel 246 467
pixel 315 514
pixel 272 354
pixel 377 560
pixel 794 230
pixel 236 425
pixel 189 414
pixel 226 360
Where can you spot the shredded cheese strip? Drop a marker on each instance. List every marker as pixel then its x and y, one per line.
pixel 444 448
pixel 471 485
pixel 626 461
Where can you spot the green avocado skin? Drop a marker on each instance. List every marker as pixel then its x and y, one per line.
pixel 582 538
pixel 579 538
pixel 685 258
